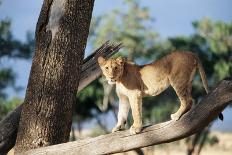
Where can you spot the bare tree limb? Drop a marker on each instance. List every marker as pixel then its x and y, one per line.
pixel 193 121
pixel 90 68
pixel 90 72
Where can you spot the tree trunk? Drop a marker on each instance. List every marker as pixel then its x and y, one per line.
pixel 61 36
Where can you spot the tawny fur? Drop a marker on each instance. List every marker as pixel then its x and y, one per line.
pixel 133 82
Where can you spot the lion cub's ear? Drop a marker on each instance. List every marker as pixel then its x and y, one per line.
pixel 120 60
pixel 101 60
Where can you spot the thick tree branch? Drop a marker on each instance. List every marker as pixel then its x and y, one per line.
pixel 193 121
pixel 90 72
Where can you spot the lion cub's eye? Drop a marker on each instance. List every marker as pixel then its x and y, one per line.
pixel 115 68
pixel 107 68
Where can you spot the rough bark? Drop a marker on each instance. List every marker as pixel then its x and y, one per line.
pixel 8 130
pixel 9 125
pixel 61 36
pixel 192 122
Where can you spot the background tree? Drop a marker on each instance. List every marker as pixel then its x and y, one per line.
pixel 10 48
pixel 131 26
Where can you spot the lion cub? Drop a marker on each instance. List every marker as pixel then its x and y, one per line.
pixel 133 82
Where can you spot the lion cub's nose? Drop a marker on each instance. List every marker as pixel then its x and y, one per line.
pixel 112 79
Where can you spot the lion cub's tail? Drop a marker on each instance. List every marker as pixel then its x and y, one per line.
pixel 205 83
pixel 203 76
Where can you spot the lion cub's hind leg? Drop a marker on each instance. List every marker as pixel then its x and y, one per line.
pixel 185 104
pixel 183 90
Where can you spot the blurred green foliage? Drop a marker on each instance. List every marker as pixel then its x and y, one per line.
pixel 11 48
pixel 6 78
pixel 8 105
pixel 130 25
pixel 87 101
pixel 212 140
pixel 97 131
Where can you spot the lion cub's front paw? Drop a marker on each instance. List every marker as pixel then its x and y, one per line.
pixel 134 130
pixel 175 117
pixel 118 127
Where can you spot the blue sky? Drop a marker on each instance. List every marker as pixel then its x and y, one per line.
pixel 172 17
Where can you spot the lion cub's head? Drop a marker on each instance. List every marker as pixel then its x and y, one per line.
pixel 112 68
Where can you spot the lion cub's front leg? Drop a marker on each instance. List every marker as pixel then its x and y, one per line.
pixel 124 107
pixel 136 107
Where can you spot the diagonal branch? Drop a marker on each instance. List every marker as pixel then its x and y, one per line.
pixel 90 71
pixel 193 121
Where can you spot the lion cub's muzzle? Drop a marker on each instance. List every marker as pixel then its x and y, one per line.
pixel 111 80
